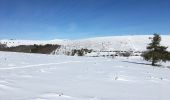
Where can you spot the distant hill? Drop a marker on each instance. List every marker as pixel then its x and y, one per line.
pixel 109 43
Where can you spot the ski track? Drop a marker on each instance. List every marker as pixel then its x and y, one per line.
pixel 38 65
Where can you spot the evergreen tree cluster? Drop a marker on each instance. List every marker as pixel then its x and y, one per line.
pixel 45 49
pixel 155 52
pixel 80 52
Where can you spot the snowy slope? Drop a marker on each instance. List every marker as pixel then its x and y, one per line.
pixel 11 43
pixel 120 43
pixel 51 77
pixel 111 43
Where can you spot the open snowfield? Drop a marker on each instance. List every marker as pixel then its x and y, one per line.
pixel 52 77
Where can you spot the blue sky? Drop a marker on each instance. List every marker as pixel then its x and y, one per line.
pixel 72 19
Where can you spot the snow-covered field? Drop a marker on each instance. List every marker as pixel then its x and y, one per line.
pixel 52 77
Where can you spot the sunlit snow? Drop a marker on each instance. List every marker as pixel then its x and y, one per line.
pixel 51 77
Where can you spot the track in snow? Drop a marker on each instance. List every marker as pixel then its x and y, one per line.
pixel 38 65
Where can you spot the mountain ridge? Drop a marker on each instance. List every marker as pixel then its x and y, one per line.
pixel 106 43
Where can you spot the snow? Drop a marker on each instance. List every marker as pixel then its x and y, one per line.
pixel 119 43
pixel 52 77
pixel 110 43
pixel 12 43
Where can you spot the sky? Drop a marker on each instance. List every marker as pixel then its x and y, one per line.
pixel 75 19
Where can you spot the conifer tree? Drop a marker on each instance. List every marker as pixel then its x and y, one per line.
pixel 155 52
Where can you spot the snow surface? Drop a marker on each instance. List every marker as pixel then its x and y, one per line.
pixel 110 43
pixel 12 43
pixel 51 77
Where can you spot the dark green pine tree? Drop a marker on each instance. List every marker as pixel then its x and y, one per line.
pixel 155 52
